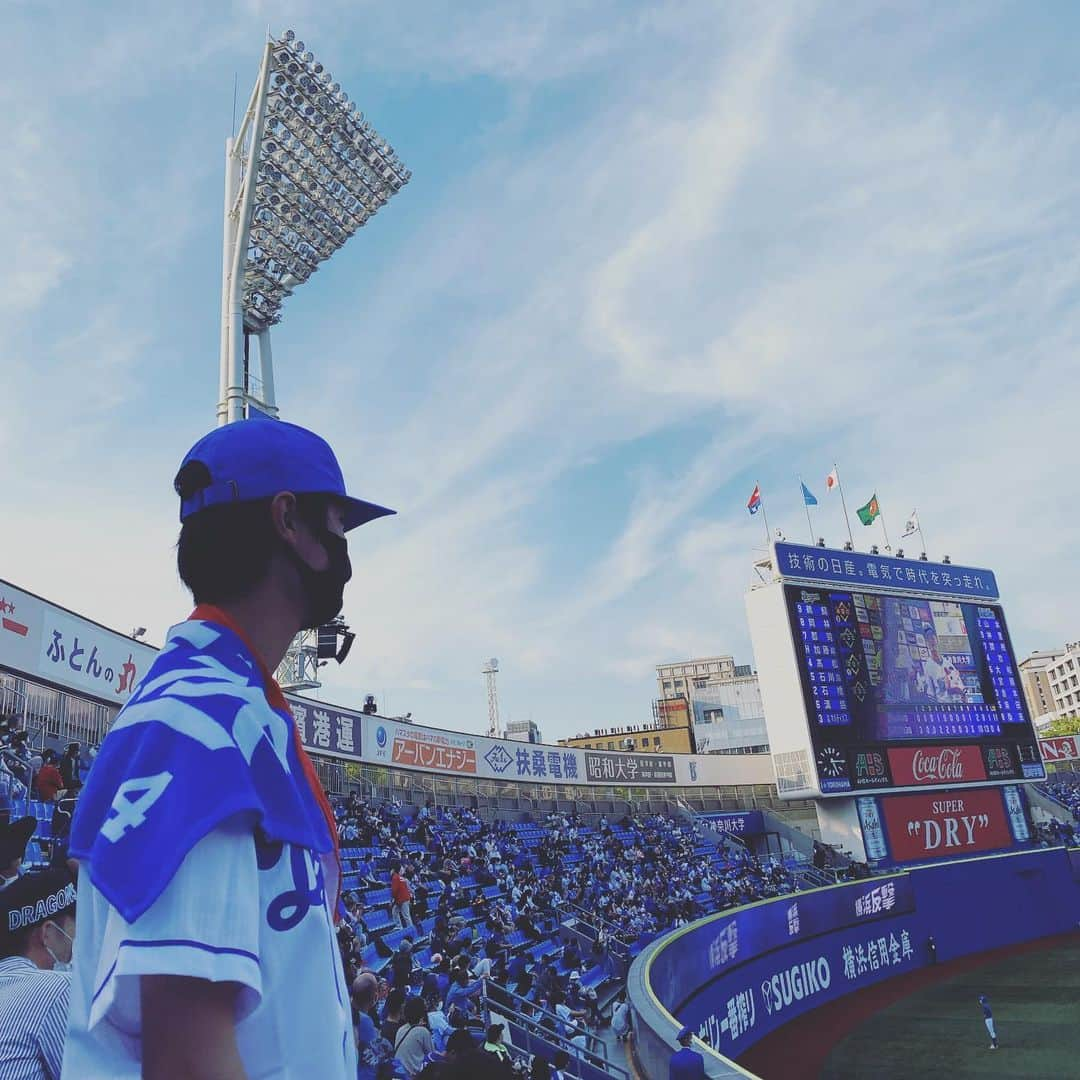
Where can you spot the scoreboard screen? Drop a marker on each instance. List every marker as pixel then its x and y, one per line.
pixel 904 691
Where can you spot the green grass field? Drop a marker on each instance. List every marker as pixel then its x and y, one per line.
pixel 939 1032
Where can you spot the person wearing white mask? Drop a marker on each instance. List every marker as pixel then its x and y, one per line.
pixel 37 935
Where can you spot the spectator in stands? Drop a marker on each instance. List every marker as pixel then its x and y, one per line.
pixel 413 1042
pixel 620 1018
pixel 466 1061
pixel 559 1064
pixel 462 992
pixel 568 1017
pixel 21 758
pixel 686 1063
pixel 13 840
pixel 438 1022
pixel 69 768
pixel 571 953
pixel 496 1048
pixel 400 897
pixel 582 1000
pixel 482 968
pixel 582 1042
pixel 393 1014
pixel 540 1069
pixel 49 782
pixel 364 991
pixel 517 974
pixel 402 964
pixel 35 979
pixel 199 987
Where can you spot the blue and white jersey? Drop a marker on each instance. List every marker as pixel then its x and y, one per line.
pixel 239 909
pixel 205 852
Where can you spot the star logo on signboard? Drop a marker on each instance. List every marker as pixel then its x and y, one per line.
pixel 498 759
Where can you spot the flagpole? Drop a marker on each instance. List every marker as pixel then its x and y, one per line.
pixel 764 516
pixel 884 531
pixel 806 505
pixel 843 503
pixel 921 537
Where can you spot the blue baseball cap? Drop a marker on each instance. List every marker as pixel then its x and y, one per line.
pixel 686 1033
pixel 255 459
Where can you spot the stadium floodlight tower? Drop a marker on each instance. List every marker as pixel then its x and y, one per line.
pixel 304 171
pixel 491 669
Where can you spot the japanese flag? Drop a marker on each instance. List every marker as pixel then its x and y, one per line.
pixel 832 480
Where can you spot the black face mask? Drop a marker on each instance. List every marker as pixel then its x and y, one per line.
pixel 325 588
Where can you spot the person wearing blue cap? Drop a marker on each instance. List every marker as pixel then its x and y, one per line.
pixel 686 1063
pixel 209 874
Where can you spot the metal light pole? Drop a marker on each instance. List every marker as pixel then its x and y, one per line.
pixel 303 172
pixel 491 669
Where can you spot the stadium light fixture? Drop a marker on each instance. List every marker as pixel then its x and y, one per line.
pixel 303 173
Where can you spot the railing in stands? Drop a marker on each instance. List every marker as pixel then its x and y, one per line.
pixel 532 1030
pixel 616 937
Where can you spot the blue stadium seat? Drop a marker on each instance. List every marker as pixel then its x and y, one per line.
pixel 371 959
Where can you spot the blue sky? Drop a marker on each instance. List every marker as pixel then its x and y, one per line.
pixel 650 255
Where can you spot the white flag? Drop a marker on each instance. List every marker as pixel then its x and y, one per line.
pixel 912 525
pixel 832 480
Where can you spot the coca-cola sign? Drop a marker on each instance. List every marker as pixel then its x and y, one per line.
pixel 945 825
pixel 912 765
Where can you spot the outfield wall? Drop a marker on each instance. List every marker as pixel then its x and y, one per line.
pixel 737 976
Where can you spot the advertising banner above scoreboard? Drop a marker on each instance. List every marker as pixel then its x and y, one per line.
pixel 800 562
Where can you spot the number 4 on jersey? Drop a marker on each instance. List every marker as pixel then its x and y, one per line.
pixel 131 813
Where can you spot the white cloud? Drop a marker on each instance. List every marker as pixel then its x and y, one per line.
pixel 698 221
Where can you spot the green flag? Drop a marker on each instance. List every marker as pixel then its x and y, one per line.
pixel 869 512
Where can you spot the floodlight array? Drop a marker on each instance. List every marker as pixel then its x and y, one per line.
pixel 322 172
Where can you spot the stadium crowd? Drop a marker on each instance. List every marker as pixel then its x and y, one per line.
pixel 471 903
pixel 441 910
pixel 1066 792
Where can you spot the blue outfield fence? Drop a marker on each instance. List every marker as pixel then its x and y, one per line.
pixel 737 976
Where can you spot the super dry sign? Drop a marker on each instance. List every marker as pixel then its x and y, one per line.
pixel 946 824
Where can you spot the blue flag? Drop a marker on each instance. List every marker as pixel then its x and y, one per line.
pixel 808 496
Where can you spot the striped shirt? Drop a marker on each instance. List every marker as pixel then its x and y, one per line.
pixel 33 1020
